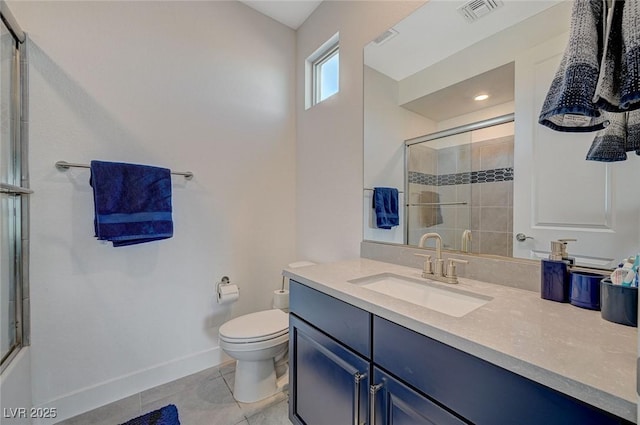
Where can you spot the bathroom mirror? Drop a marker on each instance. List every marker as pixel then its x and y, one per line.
pixel 426 135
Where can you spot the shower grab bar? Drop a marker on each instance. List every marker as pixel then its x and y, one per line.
pixel 436 203
pixel 64 165
pixel 14 190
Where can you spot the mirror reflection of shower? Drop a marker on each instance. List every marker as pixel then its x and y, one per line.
pixel 459 183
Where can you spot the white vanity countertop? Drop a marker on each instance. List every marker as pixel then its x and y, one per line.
pixel 561 346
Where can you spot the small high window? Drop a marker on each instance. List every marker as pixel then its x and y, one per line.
pixel 323 72
pixel 326 76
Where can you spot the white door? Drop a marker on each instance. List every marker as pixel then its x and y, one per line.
pixel 557 193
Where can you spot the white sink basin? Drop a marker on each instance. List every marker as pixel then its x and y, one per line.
pixel 452 301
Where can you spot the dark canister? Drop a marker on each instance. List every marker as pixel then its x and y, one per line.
pixel 585 290
pixel 619 303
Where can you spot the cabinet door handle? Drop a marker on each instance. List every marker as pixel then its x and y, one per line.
pixel 373 390
pixel 357 377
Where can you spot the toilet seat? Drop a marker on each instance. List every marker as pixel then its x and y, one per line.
pixel 239 347
pixel 257 327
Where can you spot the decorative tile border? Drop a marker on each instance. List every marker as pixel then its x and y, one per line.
pixel 422 178
pixel 469 177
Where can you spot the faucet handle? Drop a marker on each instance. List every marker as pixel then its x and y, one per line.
pixel 451 266
pixel 426 267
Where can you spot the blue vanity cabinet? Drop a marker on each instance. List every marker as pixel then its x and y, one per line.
pixel 328 382
pixel 476 390
pixel 347 366
pixel 349 325
pixel 329 359
pixel 394 403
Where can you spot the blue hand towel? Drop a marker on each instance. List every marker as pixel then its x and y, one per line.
pixel 132 202
pixel 385 203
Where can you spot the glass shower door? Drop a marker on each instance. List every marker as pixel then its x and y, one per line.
pixel 10 297
pixel 8 288
pixel 439 190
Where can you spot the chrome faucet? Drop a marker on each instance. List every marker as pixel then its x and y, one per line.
pixel 435 236
pixel 438 260
pixel 436 272
pixel 466 239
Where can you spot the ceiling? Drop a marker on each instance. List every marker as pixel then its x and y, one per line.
pixel 422 46
pixel 458 100
pixel 291 13
pixel 422 36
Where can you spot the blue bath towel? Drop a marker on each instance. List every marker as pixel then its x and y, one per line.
pixel 385 203
pixel 132 202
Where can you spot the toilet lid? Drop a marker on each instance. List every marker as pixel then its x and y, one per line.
pixel 256 326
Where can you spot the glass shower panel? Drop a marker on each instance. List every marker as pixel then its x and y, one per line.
pixel 8 334
pixel 9 204
pixel 439 190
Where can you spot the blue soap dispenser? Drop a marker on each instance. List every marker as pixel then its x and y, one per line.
pixel 555 283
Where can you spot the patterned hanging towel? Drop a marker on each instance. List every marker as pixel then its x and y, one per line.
pixel 609 144
pixel 633 132
pixel 620 137
pixel 569 103
pixel 630 87
pixel 618 88
pixel 607 94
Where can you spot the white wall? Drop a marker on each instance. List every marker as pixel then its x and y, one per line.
pixel 329 154
pixel 388 125
pixel 201 86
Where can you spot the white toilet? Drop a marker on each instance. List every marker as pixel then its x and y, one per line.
pixel 259 342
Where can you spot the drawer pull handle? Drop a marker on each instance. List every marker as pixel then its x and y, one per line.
pixel 373 390
pixel 357 378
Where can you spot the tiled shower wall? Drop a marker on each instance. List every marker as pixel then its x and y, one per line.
pixel 480 174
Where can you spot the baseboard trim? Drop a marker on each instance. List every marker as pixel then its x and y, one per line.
pixel 95 396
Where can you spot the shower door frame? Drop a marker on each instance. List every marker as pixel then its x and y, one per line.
pixel 18 185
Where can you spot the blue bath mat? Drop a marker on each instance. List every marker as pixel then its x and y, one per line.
pixel 168 415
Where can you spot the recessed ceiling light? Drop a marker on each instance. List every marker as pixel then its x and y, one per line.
pixel 481 97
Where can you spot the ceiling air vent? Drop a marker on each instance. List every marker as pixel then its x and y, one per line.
pixel 475 9
pixel 385 36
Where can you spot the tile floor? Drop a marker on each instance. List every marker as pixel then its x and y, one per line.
pixel 203 398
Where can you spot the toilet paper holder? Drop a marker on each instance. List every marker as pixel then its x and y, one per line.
pixel 226 292
pixel 224 281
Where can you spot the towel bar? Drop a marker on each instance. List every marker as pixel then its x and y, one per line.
pixel 436 203
pixel 366 188
pixel 64 165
